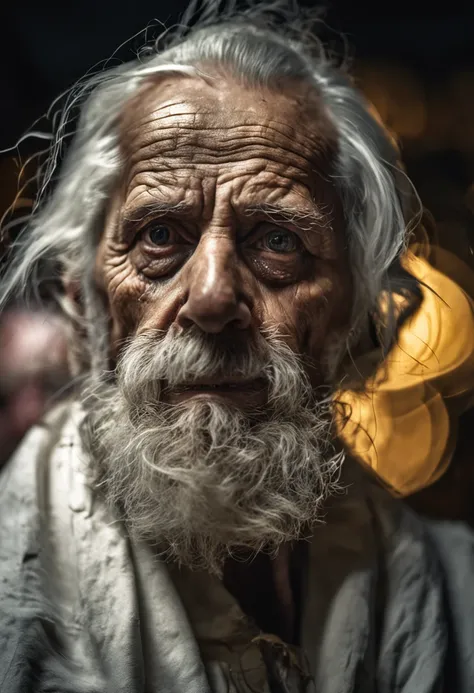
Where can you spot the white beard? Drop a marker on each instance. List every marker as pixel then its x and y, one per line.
pixel 203 478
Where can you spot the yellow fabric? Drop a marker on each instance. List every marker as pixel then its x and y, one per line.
pixel 404 425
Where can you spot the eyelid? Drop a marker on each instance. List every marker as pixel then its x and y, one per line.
pixel 297 239
pixel 263 227
pixel 176 230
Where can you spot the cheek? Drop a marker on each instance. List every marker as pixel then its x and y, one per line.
pixel 307 313
pixel 125 291
pixel 137 305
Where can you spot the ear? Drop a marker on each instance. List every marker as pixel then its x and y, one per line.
pixel 72 290
pixel 74 294
pixel 73 308
pixel 72 302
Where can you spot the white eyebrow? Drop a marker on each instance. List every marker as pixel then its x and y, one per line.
pixel 304 220
pixel 313 219
pixel 156 209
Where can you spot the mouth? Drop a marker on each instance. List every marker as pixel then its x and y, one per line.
pixel 246 393
pixel 224 385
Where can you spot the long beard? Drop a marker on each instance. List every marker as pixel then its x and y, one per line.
pixel 203 478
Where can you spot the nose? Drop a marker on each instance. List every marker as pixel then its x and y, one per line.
pixel 214 297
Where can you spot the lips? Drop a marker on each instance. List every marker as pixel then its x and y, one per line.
pixel 222 386
pixel 248 395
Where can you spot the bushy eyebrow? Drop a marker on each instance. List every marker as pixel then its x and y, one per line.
pixel 152 210
pixel 314 218
pixel 305 220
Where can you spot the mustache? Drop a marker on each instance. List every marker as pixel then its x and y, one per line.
pixel 171 359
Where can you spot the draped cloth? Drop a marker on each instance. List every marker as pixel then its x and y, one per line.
pixel 388 602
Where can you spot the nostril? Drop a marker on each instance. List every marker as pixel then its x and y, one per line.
pixel 183 321
pixel 243 318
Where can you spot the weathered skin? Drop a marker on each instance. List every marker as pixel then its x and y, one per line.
pixel 220 150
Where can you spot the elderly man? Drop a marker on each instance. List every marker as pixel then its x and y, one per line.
pixel 228 224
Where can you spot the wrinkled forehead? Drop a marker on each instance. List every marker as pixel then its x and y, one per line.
pixel 218 121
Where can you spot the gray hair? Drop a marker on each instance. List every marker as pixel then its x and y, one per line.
pixel 204 478
pixel 375 193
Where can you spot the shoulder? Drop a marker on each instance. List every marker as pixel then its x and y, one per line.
pixel 450 536
pixel 430 565
pixel 454 546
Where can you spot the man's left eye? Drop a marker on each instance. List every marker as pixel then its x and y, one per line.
pixel 280 241
pixel 158 235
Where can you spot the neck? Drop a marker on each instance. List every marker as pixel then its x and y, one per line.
pixel 269 589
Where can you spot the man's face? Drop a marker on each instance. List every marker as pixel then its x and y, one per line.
pixel 223 263
pixel 226 219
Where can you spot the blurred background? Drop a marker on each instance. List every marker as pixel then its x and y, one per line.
pixel 417 67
